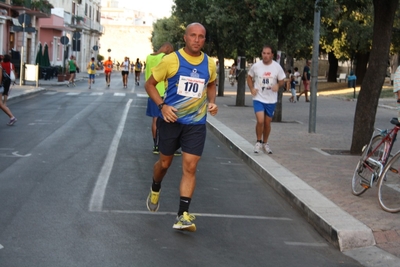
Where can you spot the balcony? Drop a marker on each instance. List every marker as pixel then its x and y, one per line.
pixel 38 6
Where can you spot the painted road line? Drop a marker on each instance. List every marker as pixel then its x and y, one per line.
pixel 214 215
pixel 96 201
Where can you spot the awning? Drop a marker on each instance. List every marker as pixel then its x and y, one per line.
pixel 59 28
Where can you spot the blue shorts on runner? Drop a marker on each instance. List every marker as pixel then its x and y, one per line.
pixel 91 76
pixel 172 136
pixel 152 110
pixel 267 108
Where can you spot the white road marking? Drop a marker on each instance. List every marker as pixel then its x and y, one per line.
pixel 50 93
pixel 72 93
pixel 96 201
pixel 21 156
pixel 1 246
pixel 231 163
pixel 96 93
pixel 232 216
pixel 320 151
pixel 40 123
pixel 119 94
pixel 306 244
pixel 143 95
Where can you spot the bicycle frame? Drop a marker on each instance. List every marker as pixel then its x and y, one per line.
pixel 388 137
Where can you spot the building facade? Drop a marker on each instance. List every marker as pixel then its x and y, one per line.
pixel 66 27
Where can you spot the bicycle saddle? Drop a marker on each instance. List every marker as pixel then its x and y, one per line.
pixel 395 121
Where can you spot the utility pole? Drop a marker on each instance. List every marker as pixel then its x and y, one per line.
pixel 314 70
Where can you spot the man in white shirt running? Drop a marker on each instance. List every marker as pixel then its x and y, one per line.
pixel 264 79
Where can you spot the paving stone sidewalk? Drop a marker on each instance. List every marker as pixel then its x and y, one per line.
pixel 320 159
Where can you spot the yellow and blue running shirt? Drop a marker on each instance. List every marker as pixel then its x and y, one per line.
pixel 187 78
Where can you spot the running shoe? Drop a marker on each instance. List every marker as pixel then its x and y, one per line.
pixel 257 147
pixel 156 151
pixel 185 222
pixel 90 87
pixel 12 121
pixel 267 149
pixel 178 153
pixel 152 201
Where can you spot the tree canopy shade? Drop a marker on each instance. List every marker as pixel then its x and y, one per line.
pixel 167 30
pixel 356 30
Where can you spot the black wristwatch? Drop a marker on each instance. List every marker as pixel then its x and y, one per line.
pixel 161 105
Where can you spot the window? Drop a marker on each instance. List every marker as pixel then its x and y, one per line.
pixel 86 10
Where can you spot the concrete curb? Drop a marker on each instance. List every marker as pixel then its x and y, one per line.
pixel 26 92
pixel 337 226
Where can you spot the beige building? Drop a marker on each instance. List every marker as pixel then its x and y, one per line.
pixel 127 32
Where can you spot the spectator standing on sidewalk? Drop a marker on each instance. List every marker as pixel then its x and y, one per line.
pixel 3 107
pixel 264 79
pixel 306 80
pixel 182 121
pixel 91 69
pixel 296 75
pixel 292 86
pixel 152 109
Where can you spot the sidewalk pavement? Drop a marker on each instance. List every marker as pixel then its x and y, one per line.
pixel 311 170
pixel 30 87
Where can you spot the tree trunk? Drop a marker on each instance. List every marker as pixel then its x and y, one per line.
pixel 368 99
pixel 221 74
pixel 333 67
pixel 361 67
pixel 241 80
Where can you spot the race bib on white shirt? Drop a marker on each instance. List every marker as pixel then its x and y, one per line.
pixel 266 82
pixel 191 86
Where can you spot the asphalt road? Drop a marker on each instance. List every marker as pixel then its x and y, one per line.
pixel 75 171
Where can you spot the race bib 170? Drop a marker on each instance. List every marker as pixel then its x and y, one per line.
pixel 190 86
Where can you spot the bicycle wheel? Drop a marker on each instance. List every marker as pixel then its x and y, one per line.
pixel 389 185
pixel 365 171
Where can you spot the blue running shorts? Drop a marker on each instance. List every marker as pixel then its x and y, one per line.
pixel 267 108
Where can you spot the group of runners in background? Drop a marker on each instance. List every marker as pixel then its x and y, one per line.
pixel 124 66
pixel 108 66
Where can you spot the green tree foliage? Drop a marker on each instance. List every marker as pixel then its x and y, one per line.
pixel 167 30
pixel 358 30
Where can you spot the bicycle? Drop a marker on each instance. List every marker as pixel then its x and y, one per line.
pixel 389 185
pixel 374 166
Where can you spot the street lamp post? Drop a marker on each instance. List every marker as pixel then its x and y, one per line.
pixel 314 70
